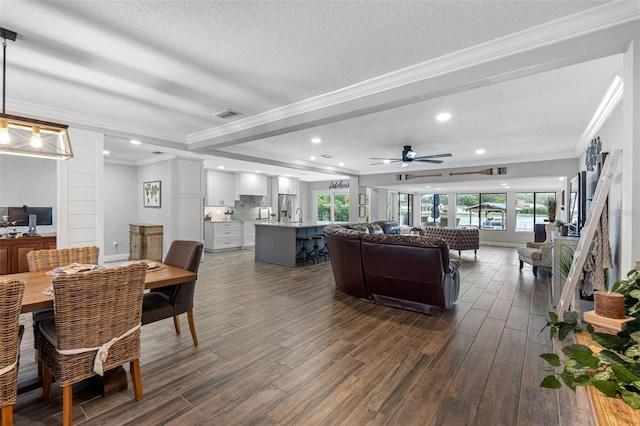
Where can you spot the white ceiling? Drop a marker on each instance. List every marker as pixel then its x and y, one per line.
pixel 157 70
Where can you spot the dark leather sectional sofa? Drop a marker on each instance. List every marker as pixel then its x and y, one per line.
pixel 373 262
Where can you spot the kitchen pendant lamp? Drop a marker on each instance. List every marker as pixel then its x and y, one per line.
pixel 26 136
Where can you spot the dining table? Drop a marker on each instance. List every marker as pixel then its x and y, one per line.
pixel 36 298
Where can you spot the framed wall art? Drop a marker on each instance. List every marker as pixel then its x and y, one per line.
pixel 152 194
pixel 362 199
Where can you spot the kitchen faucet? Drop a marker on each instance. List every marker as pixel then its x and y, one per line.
pixel 299 210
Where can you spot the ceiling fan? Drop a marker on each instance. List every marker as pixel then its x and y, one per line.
pixel 408 155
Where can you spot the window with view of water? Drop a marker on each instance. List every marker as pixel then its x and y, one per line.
pixel 483 211
pixel 532 208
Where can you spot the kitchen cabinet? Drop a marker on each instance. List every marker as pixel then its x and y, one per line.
pixel 220 189
pixel 145 242
pixel 250 184
pixel 222 235
pixel 13 252
pixel 248 234
pixel 288 185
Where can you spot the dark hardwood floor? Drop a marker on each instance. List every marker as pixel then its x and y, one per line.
pixel 281 345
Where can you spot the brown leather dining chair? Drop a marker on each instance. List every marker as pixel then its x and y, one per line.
pixel 96 329
pixel 11 292
pixel 173 300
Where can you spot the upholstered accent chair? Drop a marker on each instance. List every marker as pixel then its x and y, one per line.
pixel 11 292
pixel 96 328
pixel 538 254
pixel 173 300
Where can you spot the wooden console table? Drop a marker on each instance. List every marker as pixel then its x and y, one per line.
pixel 13 252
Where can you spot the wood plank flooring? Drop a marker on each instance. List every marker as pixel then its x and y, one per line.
pixel 282 346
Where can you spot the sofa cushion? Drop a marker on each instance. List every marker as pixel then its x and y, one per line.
pixel 374 228
pixel 346 259
pixel 389 226
pixel 362 227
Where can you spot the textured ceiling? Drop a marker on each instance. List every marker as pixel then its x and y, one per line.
pixel 157 70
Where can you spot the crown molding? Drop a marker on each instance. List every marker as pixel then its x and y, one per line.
pixel 609 102
pixel 90 122
pixel 589 21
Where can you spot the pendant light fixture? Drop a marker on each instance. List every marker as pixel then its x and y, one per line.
pixel 26 136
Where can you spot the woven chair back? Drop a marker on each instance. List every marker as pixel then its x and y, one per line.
pixel 11 292
pixel 45 260
pixel 93 307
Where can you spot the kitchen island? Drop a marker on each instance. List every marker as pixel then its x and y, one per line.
pixel 276 241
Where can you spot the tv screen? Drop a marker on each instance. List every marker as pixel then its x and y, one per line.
pixel 44 215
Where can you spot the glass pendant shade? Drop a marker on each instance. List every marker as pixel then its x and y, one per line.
pixel 34 138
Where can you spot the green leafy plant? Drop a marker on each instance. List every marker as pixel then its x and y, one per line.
pixel 560 223
pixel 565 261
pixel 551 209
pixel 614 371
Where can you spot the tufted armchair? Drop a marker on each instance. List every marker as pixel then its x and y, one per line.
pixel 538 254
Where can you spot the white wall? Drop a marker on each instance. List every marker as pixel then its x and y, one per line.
pixel 152 215
pixel 30 181
pixel 120 203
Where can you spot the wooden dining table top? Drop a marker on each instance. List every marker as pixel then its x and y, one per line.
pixel 37 282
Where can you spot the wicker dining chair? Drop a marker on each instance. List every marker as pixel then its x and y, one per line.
pixel 46 260
pixel 173 300
pixel 11 292
pixel 93 310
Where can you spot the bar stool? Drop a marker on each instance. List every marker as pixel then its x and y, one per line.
pixel 317 251
pixel 303 255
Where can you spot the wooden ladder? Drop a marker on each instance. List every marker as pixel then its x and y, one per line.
pixel 588 232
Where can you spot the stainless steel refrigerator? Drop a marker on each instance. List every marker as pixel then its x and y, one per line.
pixel 287 206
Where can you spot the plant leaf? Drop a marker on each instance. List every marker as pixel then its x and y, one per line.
pixel 550 382
pixel 572 350
pixel 606 387
pixel 610 357
pixel 570 317
pixel 633 351
pixel 635 294
pixel 631 398
pixel 609 341
pixel 567 378
pixel 587 360
pixel 553 318
pixel 623 374
pixel 552 359
pixel 563 330
pixel 635 336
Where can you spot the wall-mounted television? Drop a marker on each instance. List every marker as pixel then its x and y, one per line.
pixel 578 202
pixel 44 215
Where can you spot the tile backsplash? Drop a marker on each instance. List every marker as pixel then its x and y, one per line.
pixel 246 208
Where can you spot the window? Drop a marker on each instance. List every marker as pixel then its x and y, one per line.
pixel 484 211
pixel 531 208
pixel 332 207
pixel 434 209
pixel 469 218
pixel 405 209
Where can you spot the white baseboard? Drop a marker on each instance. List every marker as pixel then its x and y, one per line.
pixel 115 258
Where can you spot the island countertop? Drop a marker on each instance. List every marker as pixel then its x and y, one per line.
pixel 277 242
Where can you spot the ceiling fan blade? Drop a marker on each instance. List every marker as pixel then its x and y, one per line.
pixel 433 156
pixel 426 160
pixel 390 161
pixel 385 158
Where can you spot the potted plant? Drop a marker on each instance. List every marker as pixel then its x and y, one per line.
pixel 615 370
pixel 562 227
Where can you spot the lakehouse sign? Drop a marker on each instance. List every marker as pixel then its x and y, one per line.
pixel 338 184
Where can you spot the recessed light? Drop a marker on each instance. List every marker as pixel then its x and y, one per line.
pixel 503 184
pixel 258 171
pixel 437 189
pixel 135 142
pixel 386 161
pixel 341 164
pixel 313 157
pixel 105 152
pixel 480 151
pixel 507 187
pixel 444 116
pixel 316 140
pixel 287 175
pixel 428 186
pixel 221 167
pixel 561 178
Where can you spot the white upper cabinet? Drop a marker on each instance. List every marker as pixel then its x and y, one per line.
pixel 220 189
pixel 288 185
pixel 251 184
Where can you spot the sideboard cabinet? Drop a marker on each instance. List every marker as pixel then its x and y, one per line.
pixel 145 242
pixel 13 252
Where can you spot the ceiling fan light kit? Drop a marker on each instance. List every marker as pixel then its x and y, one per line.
pixel 25 136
